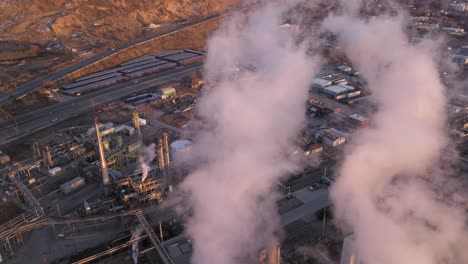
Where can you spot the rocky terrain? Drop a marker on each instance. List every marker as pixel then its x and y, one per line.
pixel 41 35
pixel 97 21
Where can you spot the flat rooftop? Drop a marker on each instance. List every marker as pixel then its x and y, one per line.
pixel 338 89
pixel 358 117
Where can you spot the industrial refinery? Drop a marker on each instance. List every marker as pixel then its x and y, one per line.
pixel 239 137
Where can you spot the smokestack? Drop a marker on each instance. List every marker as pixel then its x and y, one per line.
pixel 48 157
pixel 105 175
pixel 136 123
pixel 162 164
pixel 166 147
pixel 275 255
pixel 167 160
pixel 36 150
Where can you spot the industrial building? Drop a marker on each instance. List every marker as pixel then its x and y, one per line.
pixel 167 92
pixel 345 69
pixel 341 91
pixel 4 158
pixel 359 120
pixel 312 148
pixel 72 185
pixel 329 137
pixel 132 69
pixel 321 83
pixel 459 7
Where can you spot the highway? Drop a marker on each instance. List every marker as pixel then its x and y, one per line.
pixel 24 125
pixel 31 86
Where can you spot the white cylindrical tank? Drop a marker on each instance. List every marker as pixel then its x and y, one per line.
pixel 181 146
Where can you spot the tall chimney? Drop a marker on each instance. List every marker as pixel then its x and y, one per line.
pixel 162 164
pixel 166 148
pixel 48 156
pixel 105 175
pixel 136 124
pixel 275 255
pixel 36 150
pixel 167 161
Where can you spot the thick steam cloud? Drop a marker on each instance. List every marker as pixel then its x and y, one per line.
pixel 385 192
pixel 145 160
pixel 253 112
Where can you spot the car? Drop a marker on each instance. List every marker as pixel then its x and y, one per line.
pixel 310 188
pixel 54 119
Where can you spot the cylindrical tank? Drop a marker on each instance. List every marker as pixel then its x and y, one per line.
pixel 180 146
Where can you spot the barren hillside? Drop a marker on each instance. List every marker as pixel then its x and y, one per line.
pixel 41 36
pixel 97 20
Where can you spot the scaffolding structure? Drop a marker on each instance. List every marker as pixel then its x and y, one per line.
pixel 135 192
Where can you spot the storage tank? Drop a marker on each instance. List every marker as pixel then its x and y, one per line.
pixel 54 171
pixel 179 148
pixel 72 185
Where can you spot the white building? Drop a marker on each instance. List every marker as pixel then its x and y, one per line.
pixel 142 121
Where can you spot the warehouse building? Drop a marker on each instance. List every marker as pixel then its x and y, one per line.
pixel 341 91
pixel 359 120
pixel 345 69
pixel 327 136
pixel 72 185
pixel 167 92
pixel 321 83
pixel 312 148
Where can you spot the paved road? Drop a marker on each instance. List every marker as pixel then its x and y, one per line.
pixel 29 87
pixel 27 124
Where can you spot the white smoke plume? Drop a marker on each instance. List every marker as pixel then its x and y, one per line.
pixel 135 250
pixel 385 192
pixel 145 159
pixel 253 112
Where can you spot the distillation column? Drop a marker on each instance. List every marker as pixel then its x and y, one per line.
pixel 104 172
